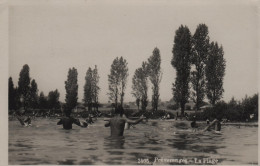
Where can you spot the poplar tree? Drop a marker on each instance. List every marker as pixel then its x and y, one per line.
pixel 71 86
pixel 155 76
pixel 11 94
pixel 88 92
pixel 34 94
pixel 140 86
pixel 136 86
pixel 181 61
pixel 117 80
pixel 215 72
pixel 200 47
pixel 96 88
pixel 24 86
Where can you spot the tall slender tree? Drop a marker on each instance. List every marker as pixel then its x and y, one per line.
pixel 144 83
pixel 33 94
pixel 181 61
pixel 71 86
pixel 140 86
pixel 95 86
pixel 155 76
pixel 215 72
pixel 11 94
pixel 136 86
pixel 17 98
pixel 123 74
pixel 200 47
pixel 117 80
pixel 88 89
pixel 24 86
pixel 113 82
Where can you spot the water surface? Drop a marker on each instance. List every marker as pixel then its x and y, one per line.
pixel 157 140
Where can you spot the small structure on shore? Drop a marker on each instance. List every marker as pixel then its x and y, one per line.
pixel 205 107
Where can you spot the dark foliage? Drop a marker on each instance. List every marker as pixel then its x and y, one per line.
pixel 181 61
pixel 71 86
pixel 233 111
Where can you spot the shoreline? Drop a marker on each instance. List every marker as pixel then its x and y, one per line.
pixel 250 123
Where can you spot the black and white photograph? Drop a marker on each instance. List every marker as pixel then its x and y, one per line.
pixel 135 82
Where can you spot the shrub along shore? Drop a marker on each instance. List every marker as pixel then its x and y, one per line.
pixel 233 111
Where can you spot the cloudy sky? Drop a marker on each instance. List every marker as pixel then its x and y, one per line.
pixel 52 37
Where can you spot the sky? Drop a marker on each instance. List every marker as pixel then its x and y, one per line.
pixel 52 37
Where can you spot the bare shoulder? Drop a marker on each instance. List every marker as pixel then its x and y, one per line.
pixel 118 120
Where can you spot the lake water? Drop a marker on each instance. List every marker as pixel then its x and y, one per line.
pixel 154 142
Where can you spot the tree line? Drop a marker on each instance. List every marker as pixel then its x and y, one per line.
pixel 91 90
pixel 200 67
pixel 117 80
pixel 234 110
pixel 199 64
pixel 150 69
pixel 26 94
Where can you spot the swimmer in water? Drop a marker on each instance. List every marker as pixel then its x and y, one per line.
pixel 216 123
pixel 68 121
pixel 168 116
pixel 193 124
pixel 26 122
pixel 117 123
pixel 207 121
pixel 90 120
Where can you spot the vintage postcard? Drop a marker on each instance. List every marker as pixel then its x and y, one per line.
pixel 135 82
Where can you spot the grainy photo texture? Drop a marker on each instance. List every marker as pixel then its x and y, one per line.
pixel 132 82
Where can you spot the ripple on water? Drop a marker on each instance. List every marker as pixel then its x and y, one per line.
pixel 91 149
pixel 67 162
pixel 49 144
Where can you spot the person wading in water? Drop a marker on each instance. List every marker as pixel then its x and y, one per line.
pixel 216 123
pixel 26 122
pixel 117 123
pixel 67 122
pixel 19 115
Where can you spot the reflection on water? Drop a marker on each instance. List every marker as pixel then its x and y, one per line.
pixel 46 143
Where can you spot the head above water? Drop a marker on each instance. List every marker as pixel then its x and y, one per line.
pixel 67 113
pixel 119 110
